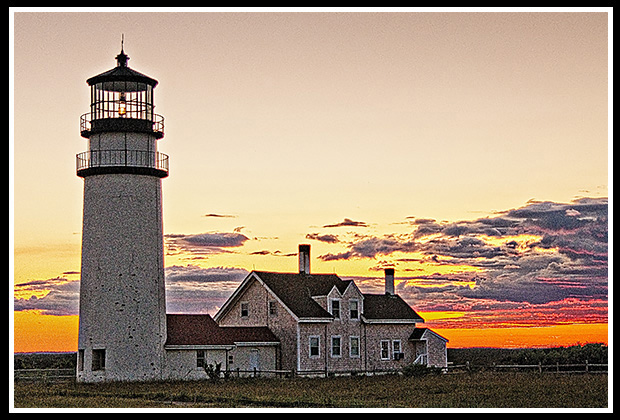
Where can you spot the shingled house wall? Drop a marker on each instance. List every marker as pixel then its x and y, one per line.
pixel 378 333
pixel 279 321
pixel 308 312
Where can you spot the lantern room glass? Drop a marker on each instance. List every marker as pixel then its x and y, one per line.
pixel 121 99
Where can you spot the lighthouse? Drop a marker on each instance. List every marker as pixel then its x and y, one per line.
pixel 122 314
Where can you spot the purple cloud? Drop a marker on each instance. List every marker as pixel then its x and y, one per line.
pixel 347 222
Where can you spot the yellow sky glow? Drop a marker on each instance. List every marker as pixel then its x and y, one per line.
pixel 287 123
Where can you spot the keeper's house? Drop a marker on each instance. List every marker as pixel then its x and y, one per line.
pixel 309 323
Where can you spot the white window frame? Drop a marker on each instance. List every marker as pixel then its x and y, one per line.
pixel 331 308
pixel 386 348
pixel 201 358
pixel 80 364
pixel 318 346
pixel 400 347
pixel 351 355
pixel 339 347
pixel 244 307
pixel 357 309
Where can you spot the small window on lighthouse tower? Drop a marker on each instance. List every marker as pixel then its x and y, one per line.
pixel 98 359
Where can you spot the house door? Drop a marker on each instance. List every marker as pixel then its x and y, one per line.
pixel 254 360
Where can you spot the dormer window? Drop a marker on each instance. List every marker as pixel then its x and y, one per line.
pixel 335 308
pixel 354 311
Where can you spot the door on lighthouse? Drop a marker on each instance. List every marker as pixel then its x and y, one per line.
pixel 254 360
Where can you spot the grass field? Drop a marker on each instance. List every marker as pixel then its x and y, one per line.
pixel 484 389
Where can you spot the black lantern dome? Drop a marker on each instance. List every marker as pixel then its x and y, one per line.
pixel 122 73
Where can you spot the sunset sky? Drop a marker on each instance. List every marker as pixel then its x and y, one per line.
pixel 469 151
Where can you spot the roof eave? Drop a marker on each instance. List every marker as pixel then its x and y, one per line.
pixel 119 74
pixel 391 320
pixel 236 294
pixel 198 347
pixel 314 319
pixel 256 343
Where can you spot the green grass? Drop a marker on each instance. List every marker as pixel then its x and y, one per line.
pixel 492 390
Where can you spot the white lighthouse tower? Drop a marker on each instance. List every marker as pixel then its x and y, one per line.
pixel 122 323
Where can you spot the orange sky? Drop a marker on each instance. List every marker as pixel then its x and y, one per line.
pixel 544 337
pixel 469 151
pixel 35 332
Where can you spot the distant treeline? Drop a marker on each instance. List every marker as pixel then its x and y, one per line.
pixel 45 360
pixel 593 353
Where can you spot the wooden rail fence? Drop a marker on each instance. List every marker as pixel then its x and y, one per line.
pixel 541 368
pixel 53 375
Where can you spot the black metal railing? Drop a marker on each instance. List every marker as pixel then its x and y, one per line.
pixel 122 158
pixel 129 122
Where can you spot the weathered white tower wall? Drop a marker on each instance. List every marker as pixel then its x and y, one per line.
pixel 122 321
pixel 122 295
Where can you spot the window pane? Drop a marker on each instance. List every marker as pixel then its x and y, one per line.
pixel 314 346
pixel 98 359
pixel 354 349
pixel 385 350
pixel 354 312
pixel 335 346
pixel 336 308
pixel 200 358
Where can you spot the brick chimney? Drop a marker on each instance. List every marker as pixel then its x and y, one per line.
pixel 304 259
pixel 389 281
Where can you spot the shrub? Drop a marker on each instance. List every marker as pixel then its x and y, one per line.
pixel 213 372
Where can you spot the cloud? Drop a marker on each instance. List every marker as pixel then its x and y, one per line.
pixel 189 289
pixel 569 262
pixel 371 247
pixel 194 274
pixel 348 222
pixel 328 238
pixel 532 256
pixel 542 263
pixel 204 243
pixel 219 215
pixel 276 253
pixel 193 289
pixel 61 296
pixel 465 247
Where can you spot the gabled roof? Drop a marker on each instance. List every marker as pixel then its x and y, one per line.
pixel 296 290
pixel 418 334
pixel 202 330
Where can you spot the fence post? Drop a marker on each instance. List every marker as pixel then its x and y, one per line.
pixel 586 365
pixel 539 367
pixel 557 367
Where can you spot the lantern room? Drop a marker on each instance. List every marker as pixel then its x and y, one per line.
pixel 121 99
pixel 121 127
